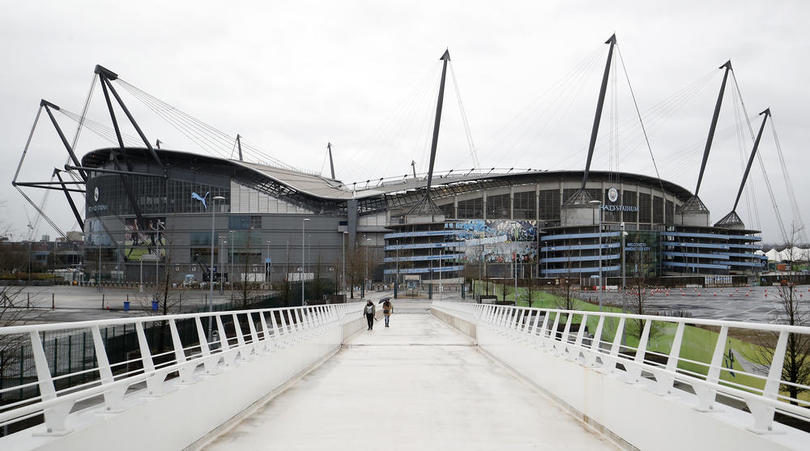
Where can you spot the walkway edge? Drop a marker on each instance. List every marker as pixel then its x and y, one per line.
pixel 470 329
pixel 253 408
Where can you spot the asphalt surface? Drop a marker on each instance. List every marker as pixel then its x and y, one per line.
pixel 752 304
pixel 89 303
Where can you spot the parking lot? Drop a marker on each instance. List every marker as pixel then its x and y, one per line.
pixel 755 304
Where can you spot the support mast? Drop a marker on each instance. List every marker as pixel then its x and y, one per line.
pixel 331 162
pixel 426 206
pixel 599 105
pixel 765 114
pixel 437 122
pixel 713 126
pixel 733 220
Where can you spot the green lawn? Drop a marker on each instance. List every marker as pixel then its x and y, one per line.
pixel 698 343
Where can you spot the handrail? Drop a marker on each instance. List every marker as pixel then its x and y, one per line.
pixel 550 330
pixel 212 347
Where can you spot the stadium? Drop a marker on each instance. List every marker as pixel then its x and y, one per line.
pixel 292 220
pixel 152 212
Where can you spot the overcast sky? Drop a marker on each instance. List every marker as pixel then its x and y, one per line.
pixel 292 76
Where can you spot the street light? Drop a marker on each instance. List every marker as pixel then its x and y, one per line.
pixel 231 272
pixel 303 253
pixel 344 261
pixel 597 204
pixel 268 262
pixel 211 268
pixel 365 275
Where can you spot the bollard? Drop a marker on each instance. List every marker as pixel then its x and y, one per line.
pixel 28 303
pixel 53 302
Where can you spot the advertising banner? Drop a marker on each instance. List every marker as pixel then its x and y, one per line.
pixel 145 237
pixel 498 240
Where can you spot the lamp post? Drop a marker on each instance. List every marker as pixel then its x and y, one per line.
pixel 624 285
pixel 231 238
pixel 303 253
pixel 597 204
pixel 211 268
pixel 268 262
pixel 344 261
pixel 365 275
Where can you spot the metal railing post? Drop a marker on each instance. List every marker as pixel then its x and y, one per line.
pixel 54 416
pixel 706 392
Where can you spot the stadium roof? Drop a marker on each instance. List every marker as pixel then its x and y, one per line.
pixel 325 188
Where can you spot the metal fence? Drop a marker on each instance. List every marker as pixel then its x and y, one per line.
pixel 57 366
pixel 664 354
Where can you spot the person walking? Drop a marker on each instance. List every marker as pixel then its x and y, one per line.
pixel 388 309
pixel 369 311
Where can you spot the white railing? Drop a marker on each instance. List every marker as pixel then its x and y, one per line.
pixel 216 340
pixel 661 368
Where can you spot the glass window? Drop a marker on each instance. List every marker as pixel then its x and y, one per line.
pixel 630 201
pixel 644 208
pixel 152 195
pixel 525 205
pixel 658 210
pixel 471 209
pixel 550 205
pixel 200 238
pixel 241 222
pixel 670 219
pixel 498 207
pixel 448 210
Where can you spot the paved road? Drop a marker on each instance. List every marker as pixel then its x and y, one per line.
pixel 415 386
pixel 754 304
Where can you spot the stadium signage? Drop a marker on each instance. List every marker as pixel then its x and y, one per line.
pixel 608 207
pixel 637 247
pixel 613 194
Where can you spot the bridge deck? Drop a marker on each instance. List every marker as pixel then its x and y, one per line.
pixel 416 385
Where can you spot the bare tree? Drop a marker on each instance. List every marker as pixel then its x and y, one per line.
pixel 637 298
pixel 355 267
pixel 564 291
pixel 796 367
pixel 13 312
pixel 530 290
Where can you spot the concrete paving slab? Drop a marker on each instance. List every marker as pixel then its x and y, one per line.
pixel 417 385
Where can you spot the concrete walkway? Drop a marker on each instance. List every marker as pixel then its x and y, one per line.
pixel 417 385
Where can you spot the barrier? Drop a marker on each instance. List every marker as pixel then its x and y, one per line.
pixel 236 361
pixel 647 398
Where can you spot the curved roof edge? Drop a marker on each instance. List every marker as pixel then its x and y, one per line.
pixel 329 189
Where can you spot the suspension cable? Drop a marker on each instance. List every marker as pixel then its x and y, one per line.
pixel 640 121
pixel 464 120
pixel 761 164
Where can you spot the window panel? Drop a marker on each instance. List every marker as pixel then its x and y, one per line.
pixel 525 206
pixel 498 207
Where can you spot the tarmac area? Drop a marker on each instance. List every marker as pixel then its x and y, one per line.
pixel 752 304
pixel 71 303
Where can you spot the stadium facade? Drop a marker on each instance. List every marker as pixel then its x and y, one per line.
pixel 500 221
pixel 151 212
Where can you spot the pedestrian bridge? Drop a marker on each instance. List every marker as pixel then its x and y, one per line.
pixel 446 375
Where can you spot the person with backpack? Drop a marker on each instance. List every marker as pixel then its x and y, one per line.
pixel 388 309
pixel 369 311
